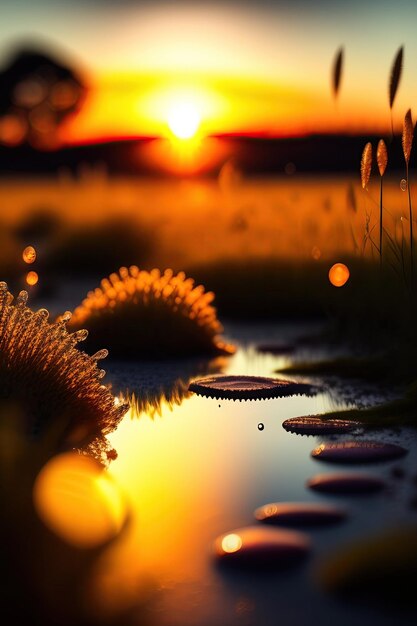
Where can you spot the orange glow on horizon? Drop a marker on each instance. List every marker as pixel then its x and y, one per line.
pixel 128 105
pixel 184 156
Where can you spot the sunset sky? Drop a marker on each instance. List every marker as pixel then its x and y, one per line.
pixel 239 67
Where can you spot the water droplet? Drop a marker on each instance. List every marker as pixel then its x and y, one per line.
pixel 32 278
pixel 65 317
pixel 80 335
pixel 29 254
pixel 261 426
pixel 43 314
pixel 403 184
pixel 22 298
pixel 101 354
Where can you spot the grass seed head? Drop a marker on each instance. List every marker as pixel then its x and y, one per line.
pixel 407 136
pixel 366 165
pixel 382 157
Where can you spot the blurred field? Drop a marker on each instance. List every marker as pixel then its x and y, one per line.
pixel 200 221
pixel 264 246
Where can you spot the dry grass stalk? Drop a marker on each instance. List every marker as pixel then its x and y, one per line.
pixel 337 71
pixel 351 198
pixel 382 160
pixel 395 75
pixel 407 141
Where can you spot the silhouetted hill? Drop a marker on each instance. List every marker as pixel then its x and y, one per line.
pixel 253 155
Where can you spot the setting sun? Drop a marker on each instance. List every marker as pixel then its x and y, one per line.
pixel 184 119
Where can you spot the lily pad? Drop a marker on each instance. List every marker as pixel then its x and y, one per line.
pixel 315 425
pixel 248 387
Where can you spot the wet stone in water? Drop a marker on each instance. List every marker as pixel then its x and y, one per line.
pixel 299 514
pixel 343 483
pixel 248 387
pixel 315 425
pixel 254 547
pixel 358 452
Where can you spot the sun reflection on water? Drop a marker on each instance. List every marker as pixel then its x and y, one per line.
pixel 192 475
pixel 231 543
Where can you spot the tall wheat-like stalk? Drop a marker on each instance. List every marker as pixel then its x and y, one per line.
pixel 394 81
pixel 366 164
pixel 382 160
pixel 366 168
pixel 337 71
pixel 407 142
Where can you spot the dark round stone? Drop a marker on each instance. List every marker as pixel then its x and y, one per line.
pixel 248 387
pixel 341 483
pixel 357 452
pixel 316 425
pixel 254 547
pixel 299 514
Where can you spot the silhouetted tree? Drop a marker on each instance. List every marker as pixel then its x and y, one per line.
pixel 37 93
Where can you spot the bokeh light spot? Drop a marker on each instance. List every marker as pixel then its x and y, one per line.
pixel 78 501
pixel 339 274
pixel 316 253
pixel 29 254
pixel 32 278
